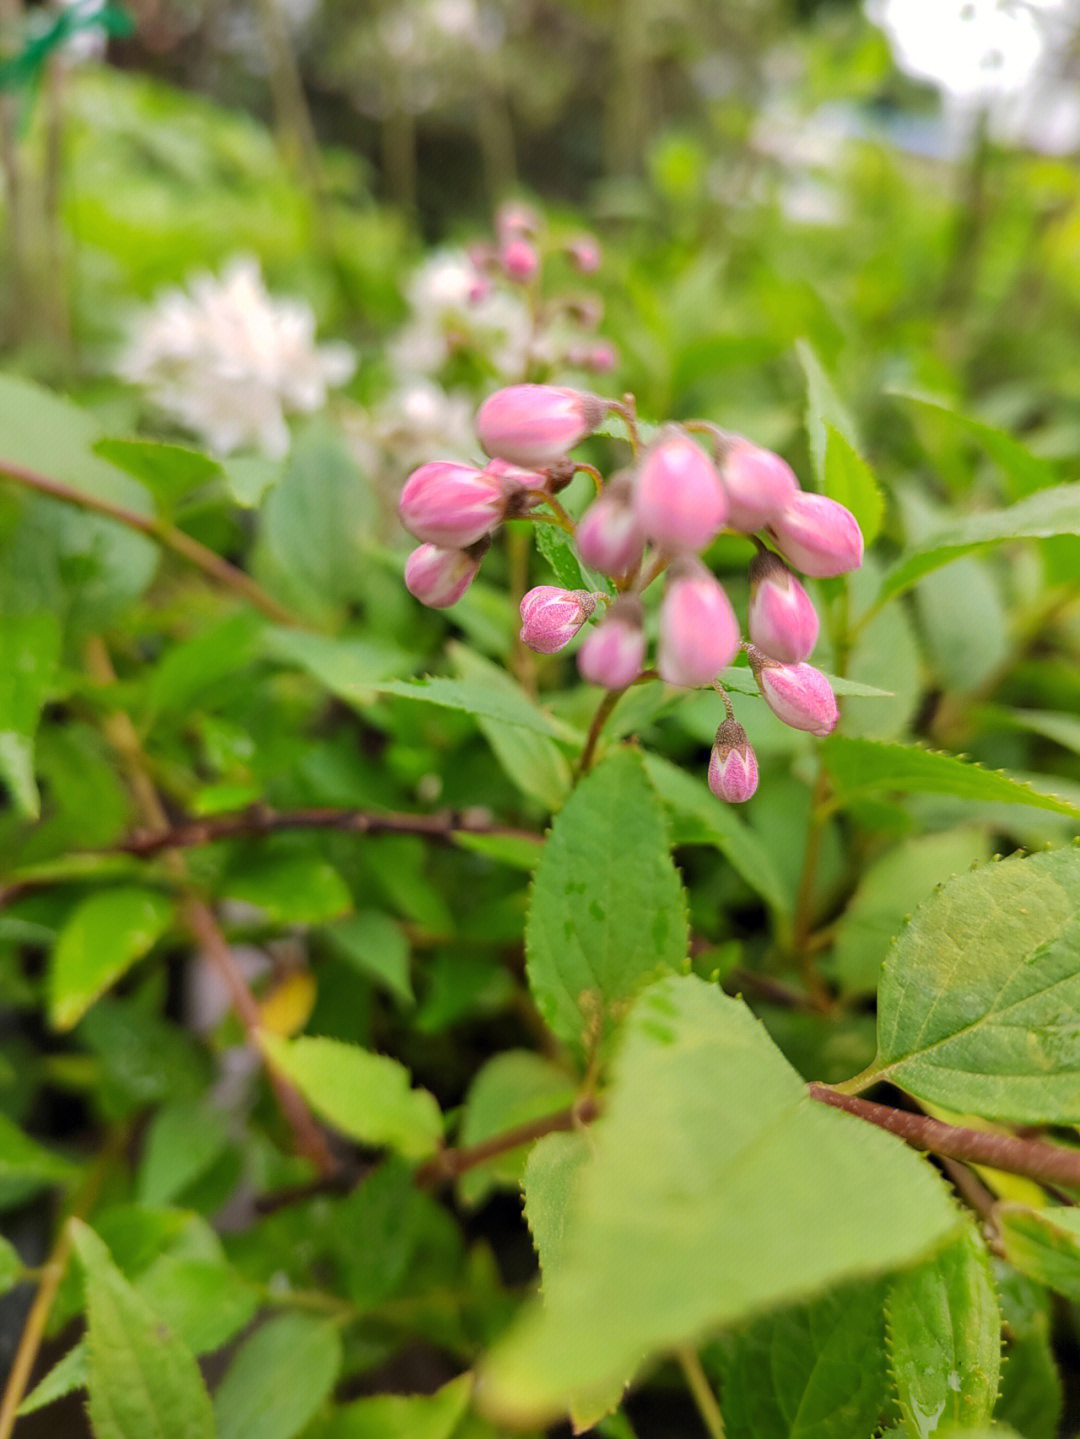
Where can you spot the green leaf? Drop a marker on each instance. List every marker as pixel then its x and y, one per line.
pixel 849 480
pixel 824 411
pixel 813 1371
pixel 279 1378
pixel 945 1338
pixel 23 1158
pixel 608 911
pixel 979 1002
pixel 700 818
pixel 861 767
pixel 67 1375
pixel 1044 1244
pixel 203 1299
pixel 100 941
pixel 1031 1394
pixel 711 1192
pixel 512 1088
pixel 1025 471
pixel 374 944
pixel 1037 517
pixel 183 1141
pixel 555 546
pixel 296 888
pixel 29 650
pixel 11 1266
pixel 188 670
pixel 476 698
pixel 169 472
pixel 351 668
pixel 366 1096
pixel 144 1382
pixel 401 1416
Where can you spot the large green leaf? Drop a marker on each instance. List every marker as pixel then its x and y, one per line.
pixel 849 480
pixel 979 1002
pixel 401 1416
pixel 182 1142
pixel 862 767
pixel 350 668
pixel 945 1337
pixel 477 698
pixel 608 911
pixel 714 1188
pixel 29 649
pixel 279 1378
pixel 812 1371
pixel 144 1382
pixel 1043 1244
pixel 100 941
pixel 1026 472
pixel 168 471
pixel 366 1096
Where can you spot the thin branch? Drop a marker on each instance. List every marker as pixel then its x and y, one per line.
pixel 166 535
pixel 449 1163
pixel 699 1387
pixel 1034 1158
pixel 600 718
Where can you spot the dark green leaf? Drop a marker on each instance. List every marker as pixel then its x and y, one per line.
pixel 374 944
pixel 29 650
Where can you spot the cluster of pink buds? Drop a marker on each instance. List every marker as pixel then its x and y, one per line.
pixel 655 518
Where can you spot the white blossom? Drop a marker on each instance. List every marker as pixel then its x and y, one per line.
pixel 228 362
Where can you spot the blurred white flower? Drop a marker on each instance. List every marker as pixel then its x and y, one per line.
pixel 454 305
pixel 228 362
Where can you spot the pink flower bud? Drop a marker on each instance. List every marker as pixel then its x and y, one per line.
pixel 733 769
pixel 758 484
pixel 437 577
pixel 679 501
pixel 584 254
pixel 608 535
pixel 613 655
pixel 451 505
pixel 519 260
pixel 819 536
pixel 514 219
pixel 782 620
pixel 536 424
pixel 699 633
pixel 515 477
pixel 551 617
pixel 799 695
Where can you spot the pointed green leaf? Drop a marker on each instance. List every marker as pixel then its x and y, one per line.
pixel 376 945
pixel 945 1338
pixel 512 1088
pixel 869 767
pixel 1031 1392
pixel 168 471
pixel 608 911
pixel 293 888
pixel 850 481
pixel 22 1158
pixel 710 1192
pixel 144 1382
pixel 279 1378
pixel 11 1266
pixel 1043 1244
pixel 183 1141
pixel 979 1003
pixel 401 1416
pixel 351 668
pixel 1026 472
pixel 366 1096
pixel 29 649
pixel 824 410
pixel 67 1375
pixel 812 1371
pixel 101 940
pixel 477 698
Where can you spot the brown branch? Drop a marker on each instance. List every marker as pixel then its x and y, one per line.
pixel 166 535
pixel 449 1163
pixel 1034 1158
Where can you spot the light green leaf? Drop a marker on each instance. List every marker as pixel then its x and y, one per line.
pixel 608 911
pixel 813 1371
pixel 706 1174
pixel 168 471
pixel 1043 1244
pixel 509 849
pixel 29 650
pixel 979 1002
pixel 186 671
pixel 296 888
pixel 401 1416
pixel 476 698
pixel 67 1375
pixel 279 1378
pixel 11 1266
pixel 512 1088
pixel 554 544
pixel 366 1096
pixel 849 480
pixel 824 411
pixel 204 1300
pixel 862 767
pixel 1031 1393
pixel 183 1141
pixel 945 1338
pixel 1025 471
pixel 700 818
pixel 23 1158
pixel 375 945
pixel 350 668
pixel 144 1382
pixel 100 941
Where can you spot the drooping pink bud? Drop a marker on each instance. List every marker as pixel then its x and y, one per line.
pixel 758 484
pixel 613 655
pixel 584 254
pixel 515 477
pixel 551 617
pixel 733 767
pixel 819 536
pixel 519 260
pixel 536 424
pixel 782 619
pixel 514 219
pixel 608 535
pixel 679 501
pixel 451 505
pixel 799 694
pixel 699 633
pixel 437 577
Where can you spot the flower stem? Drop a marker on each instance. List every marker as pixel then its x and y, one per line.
pixel 703 1396
pixel 603 710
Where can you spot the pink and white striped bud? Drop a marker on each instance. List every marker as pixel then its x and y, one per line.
pixel 451 505
pixel 437 577
pixel 536 424
pixel 733 767
pixel 758 485
pixel 519 260
pixel 551 617
pixel 819 536
pixel 614 654
pixel 515 477
pixel 799 694
pixel 679 501
pixel 608 535
pixel 584 254
pixel 782 619
pixel 699 633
